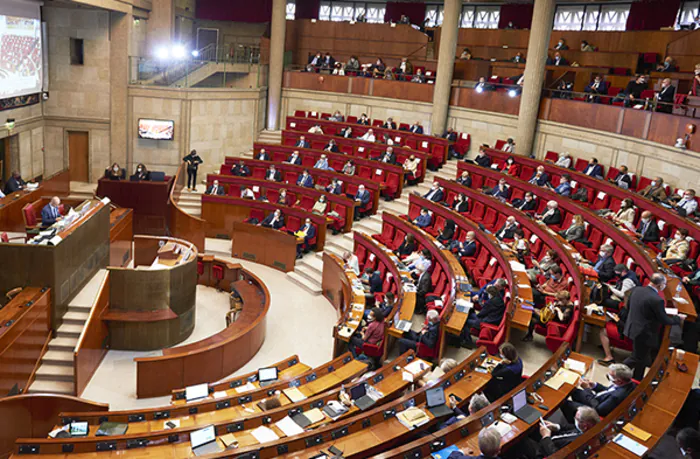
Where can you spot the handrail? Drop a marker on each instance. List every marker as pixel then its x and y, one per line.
pixel 200 224
pixel 91 315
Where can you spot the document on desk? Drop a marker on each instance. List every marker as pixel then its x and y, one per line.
pixel 575 365
pixel 264 434
pixel 630 445
pixel 294 394
pixel 415 367
pixel 561 377
pixel 315 415
pixel 247 387
pixel 289 427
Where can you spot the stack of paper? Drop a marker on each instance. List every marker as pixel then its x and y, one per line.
pixel 502 427
pixel 563 376
pixel 416 367
pixel 412 417
pixel 289 427
pixel 575 365
pixel 315 415
pixel 294 395
pixel 264 434
pixel 219 394
pixel 245 388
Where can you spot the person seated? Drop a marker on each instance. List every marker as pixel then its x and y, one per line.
pixel 389 124
pixel 314 61
pixel 575 232
pixel 518 58
pixel 315 129
pixel 275 220
pixel 561 45
pixel 113 173
pixel 450 135
pixel 674 251
pixel 668 66
pixel 509 146
pixel 633 91
pixel 386 306
pixel 410 168
pixel 305 179
pixel 466 54
pixel 603 399
pixel 491 313
pixel 595 89
pixel 273 174
pixel 527 203
pixel 605 264
pixel 624 215
pixel 416 128
pixel 373 333
pixel 302 143
pixel 427 336
pixel 560 311
pixel 283 199
pixel 418 77
pixel 594 169
pixel 549 260
pixel 466 248
pixel 404 68
pixel 553 437
pixel 349 167
pixel 351 262
pixel 539 177
pixel 666 96
pixel 331 146
pixel 461 204
pixel 447 233
pixel 328 62
pixel 322 163
pixel 685 206
pixel 215 189
pixel 482 159
pixel 371 283
pixel 557 60
pixel 247 193
pixel 352 65
pixel 363 197
pixel 655 190
pixel 482 85
pixel 346 133
pixel 489 441
pixel 507 230
pixel 378 68
pixel 564 187
pixel 15 182
pixel 407 247
pixel 418 261
pixel 501 191
pixel 262 155
pixel 363 120
pixel 307 232
pixel 614 294
pixel 688 439
pixel 564 160
pixel 388 157
pixel 50 214
pixel 465 179
pixel 587 47
pixel 335 187
pixel 555 283
pixel 240 169
pixel 424 219
pixel 294 158
pixel 435 194
pixel 368 136
pixel 648 229
pixel 506 375
pixel 520 246
pixel 445 366
pixel 551 214
pixel 337 116
pixel 623 179
pixel 320 206
pixel 510 168
pixel 389 75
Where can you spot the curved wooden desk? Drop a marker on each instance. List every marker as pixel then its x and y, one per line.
pixel 217 356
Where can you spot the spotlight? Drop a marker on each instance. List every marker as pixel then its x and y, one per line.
pixel 479 89
pixel 195 53
pixel 162 53
pixel 178 51
pixel 512 93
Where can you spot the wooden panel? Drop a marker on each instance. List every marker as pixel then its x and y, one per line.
pixel 78 151
pixel 121 233
pixel 404 90
pixel 263 245
pixel 633 123
pixel 592 116
pixel 316 82
pixel 490 101
pixel 665 129
pixel 183 225
pixel 92 344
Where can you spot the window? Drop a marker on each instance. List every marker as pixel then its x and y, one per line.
pixel 466 21
pixel 349 11
pixel 688 12
pixel 613 17
pixel 432 13
pixel 592 17
pixel 569 17
pixel 291 9
pixel 486 17
pixel 76 51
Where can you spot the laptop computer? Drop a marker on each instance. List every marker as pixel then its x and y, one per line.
pixel 196 392
pixel 203 441
pixel 435 400
pixel 267 376
pixel 359 395
pixel 522 410
pixel 78 429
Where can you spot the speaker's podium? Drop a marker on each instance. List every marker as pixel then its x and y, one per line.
pixel 148 199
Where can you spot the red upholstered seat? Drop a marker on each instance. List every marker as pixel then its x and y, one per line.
pixel 29 215
pixel 200 268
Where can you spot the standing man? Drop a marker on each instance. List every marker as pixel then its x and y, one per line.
pixel 646 315
pixel 193 161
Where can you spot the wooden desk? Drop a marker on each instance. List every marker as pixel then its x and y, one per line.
pixel 267 246
pixel 149 200
pixel 11 218
pixel 471 70
pixel 121 233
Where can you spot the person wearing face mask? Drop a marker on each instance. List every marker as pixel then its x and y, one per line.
pixel 246 193
pixel 605 264
pixel 435 194
pixel 509 146
pixel 115 172
pixel 595 89
pixel 527 203
pixel 593 169
pixel 465 179
pixel 646 314
pixel 388 157
pixel 510 168
pixel 424 219
pixel 623 179
pixel 655 190
pixel 305 180
pixel 240 169
pixel 506 375
pixel 308 233
pixel 520 246
pixel 685 206
pixel 320 206
pixel 551 215
pixel 648 229
pixel 665 97
pixel 688 441
pixel 482 159
pixel 603 399
pixel 489 441
pixel 491 313
pixel 554 284
pixel 373 333
pixel 363 120
pixel 507 230
pixel 446 234
pixel 322 163
pixel 561 45
pixel 331 146
pixel 624 215
pixel 407 247
pixel 674 251
pixel 410 169
pixel 216 189
pixel 15 183
pixel 466 248
pixel 500 191
pixel 564 187
pixel 422 259
pixel 275 220
pixel 553 437
pixel 562 310
pixel 575 232
pixel 549 260
pixel 539 177
pixel 626 280
pixel 461 204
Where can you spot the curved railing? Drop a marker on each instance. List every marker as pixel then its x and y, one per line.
pixel 183 225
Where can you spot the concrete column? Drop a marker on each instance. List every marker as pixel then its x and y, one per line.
pixel 161 25
pixel 120 41
pixel 274 85
pixel 542 19
pixel 445 66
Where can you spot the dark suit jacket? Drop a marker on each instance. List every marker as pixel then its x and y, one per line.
pixel 219 190
pixel 278 175
pixel 263 156
pixel 552 61
pixel 606 402
pixel 496 192
pixel 334 189
pixel 541 181
pixel 416 129
pixel 451 136
pixel 363 122
pixel 493 310
pixel 646 313
pixel 333 149
pixel 240 171
pixel 553 219
pixel 607 269
pixel 364 198
pixel 268 220
pixel 668 95
pixel 297 160
pixel 375 283
pixel 406 248
pixel 602 88
pixel 47 217
pixel 391 160
pixel 466 182
pixel 304 144
pixel 593 170
pixel 468 249
pixel 430 337
pixel 483 161
pixel 391 125
pixel 557 441
pixel 522 204
pixel 504 378
pixel 620 177
pixel 13 185
pixel 652 231
pixel 307 181
pixel 462 207
pixel 435 195
pixel 310 234
pixel 508 232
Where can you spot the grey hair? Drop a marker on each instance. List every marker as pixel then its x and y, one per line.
pixel 607 248
pixel 447 364
pixel 477 403
pixel 432 315
pixel 501 282
pixel 489 442
pixel 621 371
pixel 588 415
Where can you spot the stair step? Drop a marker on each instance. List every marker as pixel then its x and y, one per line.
pixel 79 308
pixel 52 372
pixel 310 286
pixel 337 251
pixel 63 343
pixel 369 226
pixel 52 387
pixel 314 264
pixel 76 317
pixel 308 272
pixel 342 244
pixel 69 331
pixel 58 357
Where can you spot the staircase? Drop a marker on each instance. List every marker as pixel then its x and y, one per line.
pixel 56 371
pixel 191 201
pixel 270 136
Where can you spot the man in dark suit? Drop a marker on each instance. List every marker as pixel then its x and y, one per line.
pixel 424 285
pixel 553 437
pixel 527 203
pixel 331 146
pixel 501 191
pixel 506 231
pixel 668 66
pixel 491 313
pixel 14 183
pixel 489 444
pixel 273 174
pixel 648 229
pixel 623 178
pixel 666 96
pixel 388 157
pixel 518 58
pixel 275 220
pixel 557 60
pixel 539 177
pixel 595 89
pixel 193 161
pixel 302 143
pixel 465 179
pixel 216 189
pixel 605 264
pixel 416 128
pixel 334 187
pixel 309 232
pixel 240 169
pixel 482 159
pixel 594 169
pixel 262 155
pixel 467 248
pixel 294 158
pixel 305 180
pixel 428 335
pixel 436 194
pixel 450 135
pixel 551 214
pixel 328 61
pixel 315 60
pixel 363 120
pixel 646 315
pixel 599 397
pixel 362 196
pixel 50 213
pixel 389 124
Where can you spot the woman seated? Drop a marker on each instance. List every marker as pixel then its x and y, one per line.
pixel 560 311
pixel 541 268
pixel 373 333
pixel 407 247
pixel 410 169
pixel 614 328
pixel 675 250
pixel 349 168
pixel 446 234
pixel 141 173
pixel 114 172
pixel 575 232
pixel 520 246
pixel 506 375
pixel 624 215
pixel 466 54
pixel 446 365
pixel 510 168
pixel 461 204
pixel 320 206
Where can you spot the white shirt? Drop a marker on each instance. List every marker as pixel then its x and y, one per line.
pixel 690 205
pixel 368 137
pixel 564 161
pixel 420 261
pixel 508 148
pixel 354 264
pixel 248 193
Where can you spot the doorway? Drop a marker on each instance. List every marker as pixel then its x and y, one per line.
pixel 78 156
pixel 207 37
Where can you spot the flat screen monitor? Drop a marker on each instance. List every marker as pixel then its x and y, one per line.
pixel 519 400
pixel 196 392
pixel 156 129
pixel 21 60
pixel 202 436
pixel 267 374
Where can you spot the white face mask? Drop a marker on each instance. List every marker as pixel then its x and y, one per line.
pixel 687 196
pixel 578 425
pixel 116 168
pixel 653 183
pixel 678 237
pixel 602 254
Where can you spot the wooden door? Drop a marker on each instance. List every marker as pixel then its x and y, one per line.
pixel 78 154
